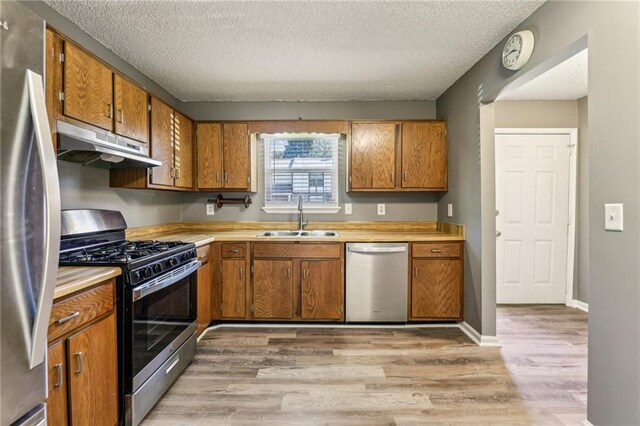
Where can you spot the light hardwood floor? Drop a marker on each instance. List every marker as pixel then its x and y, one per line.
pixel 387 376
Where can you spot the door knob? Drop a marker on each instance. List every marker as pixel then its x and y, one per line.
pixel 498 233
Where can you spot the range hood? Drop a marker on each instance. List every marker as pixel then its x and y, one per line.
pixel 101 148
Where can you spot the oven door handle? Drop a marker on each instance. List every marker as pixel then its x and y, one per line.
pixel 165 280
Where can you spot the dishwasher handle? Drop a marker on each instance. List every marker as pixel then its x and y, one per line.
pixel 377 249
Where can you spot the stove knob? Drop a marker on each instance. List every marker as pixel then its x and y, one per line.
pixel 157 268
pixel 136 276
pixel 185 257
pixel 147 272
pixel 173 261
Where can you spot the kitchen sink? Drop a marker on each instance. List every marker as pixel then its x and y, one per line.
pixel 293 234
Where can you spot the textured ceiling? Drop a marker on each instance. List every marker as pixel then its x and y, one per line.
pixel 299 50
pixel 565 81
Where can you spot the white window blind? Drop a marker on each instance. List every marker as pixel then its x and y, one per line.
pixel 302 164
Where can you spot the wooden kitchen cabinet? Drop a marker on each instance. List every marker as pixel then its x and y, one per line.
pixel 131 110
pixel 407 156
pixel 205 288
pixel 83 359
pixel 322 290
pixel 227 157
pixel 183 150
pixel 424 155
pixel 436 281
pixel 273 289
pixel 162 116
pixel 234 288
pixel 87 86
pixel 298 281
pixel 373 155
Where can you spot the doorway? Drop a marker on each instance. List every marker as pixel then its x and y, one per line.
pixel 535 204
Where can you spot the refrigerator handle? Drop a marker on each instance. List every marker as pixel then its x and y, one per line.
pixel 51 237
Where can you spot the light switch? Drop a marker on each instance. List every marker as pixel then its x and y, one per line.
pixel 613 217
pixel 449 210
pixel 381 209
pixel 211 209
pixel 348 208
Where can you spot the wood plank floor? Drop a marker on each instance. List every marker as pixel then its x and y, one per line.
pixel 387 376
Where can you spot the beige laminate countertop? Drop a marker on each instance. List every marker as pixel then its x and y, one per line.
pixel 72 279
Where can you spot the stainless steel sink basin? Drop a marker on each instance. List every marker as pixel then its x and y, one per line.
pixel 301 234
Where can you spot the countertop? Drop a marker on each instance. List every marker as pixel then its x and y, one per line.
pixel 72 279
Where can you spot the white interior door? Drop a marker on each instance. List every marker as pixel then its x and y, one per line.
pixel 532 199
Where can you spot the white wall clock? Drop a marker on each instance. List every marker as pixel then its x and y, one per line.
pixel 517 50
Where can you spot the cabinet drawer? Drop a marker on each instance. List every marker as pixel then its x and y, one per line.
pixel 435 249
pixel 233 249
pixel 71 313
pixel 298 250
pixel 203 254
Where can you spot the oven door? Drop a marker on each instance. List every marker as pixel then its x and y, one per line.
pixel 164 316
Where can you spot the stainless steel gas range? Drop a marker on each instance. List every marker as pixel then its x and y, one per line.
pixel 156 303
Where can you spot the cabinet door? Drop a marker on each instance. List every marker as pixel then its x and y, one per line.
pixel 183 149
pixel 322 289
pixel 234 288
pixel 273 289
pixel 424 156
pixel 132 110
pixel 436 288
pixel 373 160
pixel 93 380
pixel 205 289
pixel 209 144
pixel 235 155
pixel 162 142
pixel 88 89
pixel 57 400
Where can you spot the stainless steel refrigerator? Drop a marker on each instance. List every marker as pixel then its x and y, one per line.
pixel 30 218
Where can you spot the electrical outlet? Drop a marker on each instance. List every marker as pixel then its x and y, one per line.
pixel 348 208
pixel 381 209
pixel 211 209
pixel 449 210
pixel 613 217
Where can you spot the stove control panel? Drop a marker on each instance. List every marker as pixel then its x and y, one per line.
pixel 160 266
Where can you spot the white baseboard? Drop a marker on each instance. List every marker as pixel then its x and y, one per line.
pixel 579 305
pixel 480 340
pixel 586 422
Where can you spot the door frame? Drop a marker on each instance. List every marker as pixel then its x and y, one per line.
pixel 573 172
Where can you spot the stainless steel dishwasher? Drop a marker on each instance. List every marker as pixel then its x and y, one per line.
pixel 376 282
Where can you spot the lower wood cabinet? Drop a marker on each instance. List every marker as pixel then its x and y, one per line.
pixel 298 281
pixel 436 281
pixel 233 279
pixel 82 363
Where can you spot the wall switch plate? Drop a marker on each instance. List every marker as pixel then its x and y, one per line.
pixel 348 208
pixel 449 210
pixel 211 209
pixel 613 219
pixel 381 209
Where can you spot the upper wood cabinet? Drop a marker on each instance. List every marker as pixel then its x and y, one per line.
pixel 132 110
pixel 227 157
pixel 398 157
pixel 424 156
pixel 162 116
pixel 373 158
pixel 88 88
pixel 183 150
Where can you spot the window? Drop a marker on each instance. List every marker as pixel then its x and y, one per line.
pixel 301 165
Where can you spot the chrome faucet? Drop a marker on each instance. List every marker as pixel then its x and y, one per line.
pixel 301 221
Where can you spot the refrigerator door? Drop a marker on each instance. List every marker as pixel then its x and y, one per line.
pixel 30 214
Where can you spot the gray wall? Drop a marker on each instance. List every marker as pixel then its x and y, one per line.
pixel 581 270
pixel 88 187
pixel 613 175
pixel 416 206
pixel 535 114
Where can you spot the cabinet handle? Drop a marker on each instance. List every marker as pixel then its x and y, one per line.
pixel 217 176
pixel 288 272
pixel 59 376
pixel 178 173
pixel 235 251
pixel 304 273
pixel 80 362
pixel 121 114
pixel 436 251
pixel 241 273
pixel 110 110
pixel 226 176
pixel 415 271
pixel 405 176
pixel 61 321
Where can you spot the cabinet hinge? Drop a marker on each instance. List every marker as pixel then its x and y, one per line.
pixel 61 57
pixel 149 107
pixel 61 96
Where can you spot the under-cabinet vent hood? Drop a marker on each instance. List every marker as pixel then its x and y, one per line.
pixel 101 148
